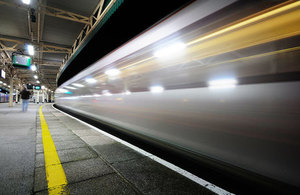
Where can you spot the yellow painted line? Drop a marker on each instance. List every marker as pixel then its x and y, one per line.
pixel 56 178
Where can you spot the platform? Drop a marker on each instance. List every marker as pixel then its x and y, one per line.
pixel 92 162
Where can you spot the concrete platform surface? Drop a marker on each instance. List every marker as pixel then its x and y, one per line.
pixel 93 163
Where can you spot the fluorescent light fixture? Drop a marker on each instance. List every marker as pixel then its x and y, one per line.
pixel 30 49
pixel 222 83
pixel 37 81
pixel 33 67
pixel 1 82
pixel 3 74
pixel 170 50
pixel 112 72
pixel 77 85
pixel 4 84
pixel 43 87
pixel 27 2
pixel 68 87
pixel 35 76
pixel 156 89
pixel 91 80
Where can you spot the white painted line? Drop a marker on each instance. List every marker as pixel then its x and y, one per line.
pixel 175 168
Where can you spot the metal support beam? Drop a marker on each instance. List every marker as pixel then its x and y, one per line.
pixel 51 11
pixel 95 18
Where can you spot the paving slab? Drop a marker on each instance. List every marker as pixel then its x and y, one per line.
pixel 86 169
pixel 17 151
pixel 152 178
pixel 108 184
pixel 116 152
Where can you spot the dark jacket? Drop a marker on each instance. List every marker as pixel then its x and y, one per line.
pixel 25 94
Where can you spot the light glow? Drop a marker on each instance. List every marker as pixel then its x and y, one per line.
pixel 156 89
pixel 37 81
pixel 77 85
pixel 68 87
pixel 33 67
pixel 127 92
pixel 222 83
pixel 27 2
pixel 35 76
pixel 170 50
pixel 112 72
pixel 30 49
pixel 43 87
pixel 91 80
pixel 106 93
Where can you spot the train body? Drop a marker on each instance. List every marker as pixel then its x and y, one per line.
pixel 210 81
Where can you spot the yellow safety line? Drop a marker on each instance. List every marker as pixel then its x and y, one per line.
pixel 56 178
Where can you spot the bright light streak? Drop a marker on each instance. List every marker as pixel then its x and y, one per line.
pixel 35 76
pixel 68 87
pixel 127 92
pixel 170 50
pixel 222 83
pixel 112 72
pixel 30 49
pixel 156 89
pixel 62 90
pixel 91 80
pixel 77 85
pixel 27 2
pixel 106 93
pixel 33 67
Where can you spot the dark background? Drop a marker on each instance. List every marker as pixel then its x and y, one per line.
pixel 130 19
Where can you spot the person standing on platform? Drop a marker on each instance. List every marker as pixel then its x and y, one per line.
pixel 25 98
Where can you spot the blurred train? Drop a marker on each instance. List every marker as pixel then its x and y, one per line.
pixel 213 81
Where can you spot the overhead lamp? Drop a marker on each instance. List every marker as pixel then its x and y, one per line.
pixel 43 87
pixel 35 76
pixel 222 83
pixel 33 67
pixel 37 81
pixel 27 2
pixel 112 72
pixel 30 49
pixel 77 85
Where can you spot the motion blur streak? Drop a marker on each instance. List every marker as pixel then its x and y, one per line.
pixel 250 123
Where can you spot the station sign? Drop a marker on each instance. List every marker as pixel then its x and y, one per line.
pixel 21 61
pixel 3 74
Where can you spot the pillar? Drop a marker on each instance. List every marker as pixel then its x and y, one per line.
pixel 17 96
pixel 11 92
pixel 37 97
pixel 43 96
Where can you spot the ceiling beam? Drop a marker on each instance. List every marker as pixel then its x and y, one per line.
pixel 46 48
pixel 52 11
